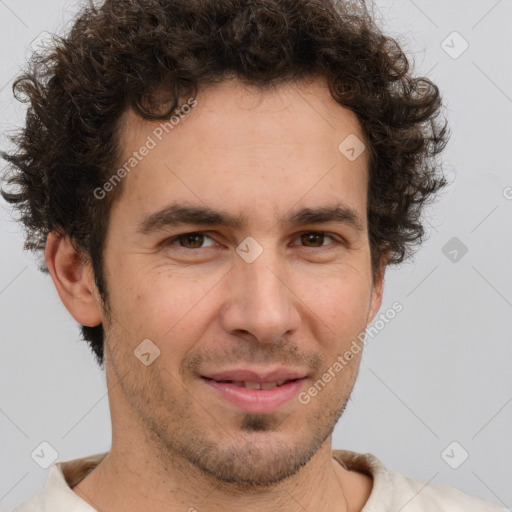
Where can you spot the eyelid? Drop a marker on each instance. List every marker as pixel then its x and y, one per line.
pixel 169 241
pixel 334 236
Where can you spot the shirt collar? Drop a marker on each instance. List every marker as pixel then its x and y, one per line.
pixel 58 495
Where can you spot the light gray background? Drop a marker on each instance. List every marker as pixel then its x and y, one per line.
pixel 438 373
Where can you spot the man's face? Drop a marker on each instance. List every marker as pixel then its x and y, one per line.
pixel 221 314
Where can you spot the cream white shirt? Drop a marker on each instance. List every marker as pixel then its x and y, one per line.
pixel 391 492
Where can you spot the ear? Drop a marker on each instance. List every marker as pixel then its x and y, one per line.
pixel 73 279
pixel 378 288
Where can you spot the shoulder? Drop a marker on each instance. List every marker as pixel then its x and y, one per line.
pixel 57 494
pixel 394 491
pixel 33 504
pixel 26 506
pixel 414 495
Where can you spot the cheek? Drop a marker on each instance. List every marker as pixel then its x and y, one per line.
pixel 174 307
pixel 340 303
pixel 168 309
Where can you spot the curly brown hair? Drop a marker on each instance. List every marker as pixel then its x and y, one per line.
pixel 122 53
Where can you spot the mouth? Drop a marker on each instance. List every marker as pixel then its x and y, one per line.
pixel 256 393
pixel 253 384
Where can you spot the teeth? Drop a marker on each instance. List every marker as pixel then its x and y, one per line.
pixel 252 385
pixel 255 385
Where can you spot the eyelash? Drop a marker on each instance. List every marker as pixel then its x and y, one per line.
pixel 171 241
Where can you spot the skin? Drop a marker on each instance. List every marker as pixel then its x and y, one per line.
pixel 177 444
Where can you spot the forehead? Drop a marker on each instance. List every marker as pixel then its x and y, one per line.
pixel 237 113
pixel 239 140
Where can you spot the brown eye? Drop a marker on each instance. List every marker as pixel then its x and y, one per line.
pixel 313 238
pixel 191 241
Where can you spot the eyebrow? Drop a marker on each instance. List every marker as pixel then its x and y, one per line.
pixel 176 214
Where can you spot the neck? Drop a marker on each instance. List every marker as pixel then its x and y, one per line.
pixel 140 473
pixel 136 479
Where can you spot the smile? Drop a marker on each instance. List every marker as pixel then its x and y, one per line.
pixel 253 396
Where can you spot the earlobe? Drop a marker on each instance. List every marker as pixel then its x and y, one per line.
pixel 73 279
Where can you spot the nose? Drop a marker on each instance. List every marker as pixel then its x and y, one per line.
pixel 261 303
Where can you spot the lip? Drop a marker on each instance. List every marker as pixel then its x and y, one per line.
pixel 246 374
pixel 257 401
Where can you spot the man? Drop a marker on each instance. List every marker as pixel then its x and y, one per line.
pixel 218 187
